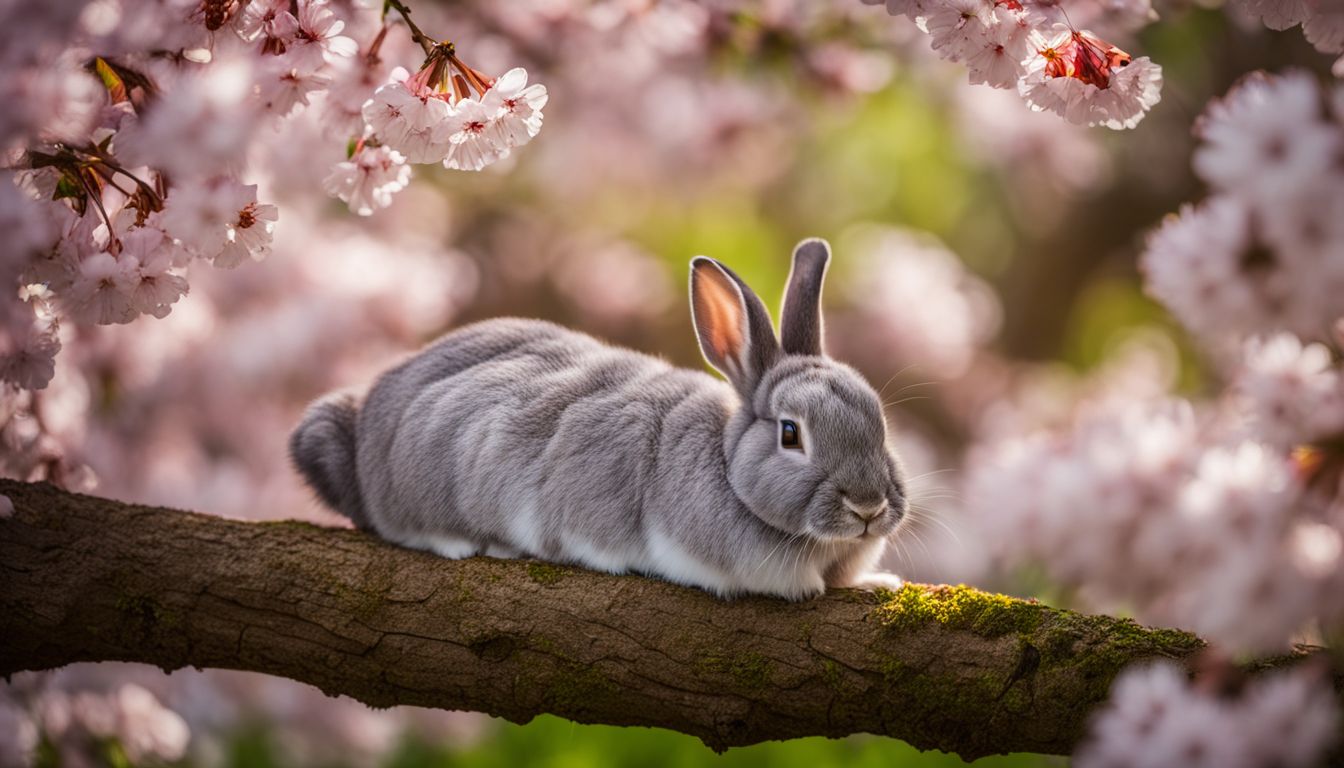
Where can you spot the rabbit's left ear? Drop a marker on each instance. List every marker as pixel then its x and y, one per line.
pixel 800 319
pixel 732 324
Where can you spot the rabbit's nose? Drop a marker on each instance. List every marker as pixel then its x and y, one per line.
pixel 865 512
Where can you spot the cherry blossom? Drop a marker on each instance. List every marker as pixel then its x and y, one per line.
pixel 221 221
pixel 282 86
pixel 318 36
pixel 153 254
pixel 1090 83
pixel 471 145
pixel 516 109
pixel 101 291
pixel 368 180
pixel 1265 139
pixel 1156 717
pixel 29 342
pixel 414 124
pixel 270 19
pixel 426 125
pixel 1294 392
pixel 1036 50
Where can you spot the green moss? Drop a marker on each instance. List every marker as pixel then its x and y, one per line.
pixel 544 574
pixel 805 631
pixel 960 607
pixel 749 670
pixel 1091 650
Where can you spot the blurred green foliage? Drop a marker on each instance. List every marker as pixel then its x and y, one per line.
pixel 550 742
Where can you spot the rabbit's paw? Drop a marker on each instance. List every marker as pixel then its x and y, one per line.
pixel 871 582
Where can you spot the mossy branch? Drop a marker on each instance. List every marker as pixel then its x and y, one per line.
pixel 951 668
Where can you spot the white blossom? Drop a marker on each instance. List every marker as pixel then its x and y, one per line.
pixel 318 36
pixel 156 287
pixel 1157 719
pixel 413 124
pixel 221 221
pixel 1265 139
pixel 472 146
pixel 517 108
pixel 1294 391
pixel 368 180
pixel 1129 93
pixel 102 288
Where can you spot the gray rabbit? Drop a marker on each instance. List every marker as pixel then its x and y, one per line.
pixel 519 438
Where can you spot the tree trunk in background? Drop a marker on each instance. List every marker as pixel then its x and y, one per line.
pixel 951 668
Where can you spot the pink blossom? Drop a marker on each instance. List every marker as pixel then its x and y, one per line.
pixel 368 180
pixel 156 287
pixel 1294 392
pixel 29 342
pixel 413 124
pixel 270 19
pixel 285 83
pixel 220 221
pixel 1156 717
pixel 1127 96
pixel 101 292
pixel 318 37
pixel 249 235
pixel 468 130
pixel 1263 142
pixel 517 108
pixel 958 28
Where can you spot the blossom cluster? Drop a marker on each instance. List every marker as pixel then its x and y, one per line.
pixel 133 164
pixel 73 724
pixel 1223 516
pixel 1158 508
pixel 429 124
pixel 1032 46
pixel 1156 718
pixel 1262 254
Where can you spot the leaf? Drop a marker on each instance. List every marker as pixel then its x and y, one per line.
pixel 67 187
pixel 112 81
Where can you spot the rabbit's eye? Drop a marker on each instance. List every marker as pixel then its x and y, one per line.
pixel 790 436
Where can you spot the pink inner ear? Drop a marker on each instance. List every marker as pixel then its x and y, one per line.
pixel 718 310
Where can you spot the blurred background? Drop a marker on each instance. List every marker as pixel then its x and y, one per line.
pixel 984 280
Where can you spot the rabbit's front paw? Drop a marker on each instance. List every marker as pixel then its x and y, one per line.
pixel 871 582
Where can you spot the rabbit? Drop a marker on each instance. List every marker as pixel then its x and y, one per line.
pixel 518 438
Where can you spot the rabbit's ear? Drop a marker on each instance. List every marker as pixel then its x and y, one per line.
pixel 732 323
pixel 800 318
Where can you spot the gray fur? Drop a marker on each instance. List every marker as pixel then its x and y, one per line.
pixel 323 448
pixel 800 327
pixel 516 438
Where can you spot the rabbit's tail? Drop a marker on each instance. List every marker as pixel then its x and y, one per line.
pixel 323 449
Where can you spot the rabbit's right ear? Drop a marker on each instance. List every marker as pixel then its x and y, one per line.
pixel 800 318
pixel 732 324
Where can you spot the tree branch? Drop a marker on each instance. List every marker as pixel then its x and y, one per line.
pixel 89 579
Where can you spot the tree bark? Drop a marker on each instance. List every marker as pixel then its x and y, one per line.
pixel 951 668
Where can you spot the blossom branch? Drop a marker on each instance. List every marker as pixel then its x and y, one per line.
pixel 424 41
